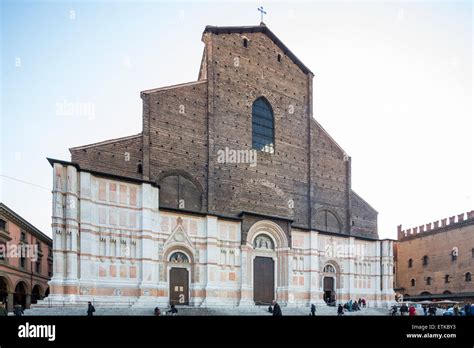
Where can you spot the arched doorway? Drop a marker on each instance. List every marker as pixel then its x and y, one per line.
pixel 19 297
pixel 36 294
pixel 179 278
pixel 329 283
pixel 266 252
pixel 264 270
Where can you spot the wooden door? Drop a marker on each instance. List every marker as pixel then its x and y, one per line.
pixel 263 280
pixel 179 286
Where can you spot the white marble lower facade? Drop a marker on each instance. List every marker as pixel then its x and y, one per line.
pixel 113 245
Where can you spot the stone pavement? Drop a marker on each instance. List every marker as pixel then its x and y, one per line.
pixel 196 311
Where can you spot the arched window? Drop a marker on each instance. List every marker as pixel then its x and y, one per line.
pixel 329 269
pixel 428 281
pixel 412 282
pixel 246 42
pixel 263 128
pixel 410 263
pixel 327 221
pixel 179 257
pixel 176 191
pixel 425 260
pixel 467 277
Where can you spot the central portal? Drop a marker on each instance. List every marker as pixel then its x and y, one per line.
pixel 179 287
pixel 263 280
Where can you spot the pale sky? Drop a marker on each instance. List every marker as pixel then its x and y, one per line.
pixel 393 86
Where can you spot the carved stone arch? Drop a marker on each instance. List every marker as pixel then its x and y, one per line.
pixel 25 282
pixel 336 275
pixel 179 249
pixel 8 282
pixel 325 218
pixel 271 229
pixel 183 173
pixel 179 189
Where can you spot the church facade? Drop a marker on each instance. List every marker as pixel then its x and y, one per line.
pixel 233 194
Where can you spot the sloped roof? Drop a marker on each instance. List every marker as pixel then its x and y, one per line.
pixel 262 28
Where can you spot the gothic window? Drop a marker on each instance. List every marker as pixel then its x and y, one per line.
pixel 425 260
pixel 467 277
pixel 327 221
pixel 263 242
pixel 410 263
pixel 263 128
pixel 329 269
pixel 177 191
pixel 179 257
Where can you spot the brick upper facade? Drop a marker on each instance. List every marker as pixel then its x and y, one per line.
pixel 184 126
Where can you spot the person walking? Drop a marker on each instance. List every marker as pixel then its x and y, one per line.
pixel 412 311
pixel 467 309
pixel 403 309
pixel 313 310
pixel 456 310
pixel 3 310
pixel 18 311
pixel 172 311
pixel 340 310
pixel 425 310
pixel 276 309
pixel 90 309
pixel 432 310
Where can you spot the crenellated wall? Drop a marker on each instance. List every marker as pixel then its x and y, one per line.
pixel 439 225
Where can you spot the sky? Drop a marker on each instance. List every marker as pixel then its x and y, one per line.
pixel 393 87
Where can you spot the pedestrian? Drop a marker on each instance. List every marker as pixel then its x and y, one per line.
pixel 157 312
pixel 393 310
pixel 467 309
pixel 432 310
pixel 403 309
pixel 90 309
pixel 425 310
pixel 313 310
pixel 364 302
pixel 412 311
pixel 359 302
pixel 270 309
pixel 18 311
pixel 276 309
pixel 340 310
pixel 3 310
pixel 172 311
pixel 456 310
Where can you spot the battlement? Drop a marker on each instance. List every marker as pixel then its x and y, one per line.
pixel 434 226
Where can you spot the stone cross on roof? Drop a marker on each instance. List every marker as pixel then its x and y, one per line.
pixel 262 12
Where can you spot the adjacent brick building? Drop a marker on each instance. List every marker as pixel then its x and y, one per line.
pixel 436 260
pixel 140 218
pixel 24 275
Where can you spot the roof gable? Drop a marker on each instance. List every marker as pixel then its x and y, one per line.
pixel 262 28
